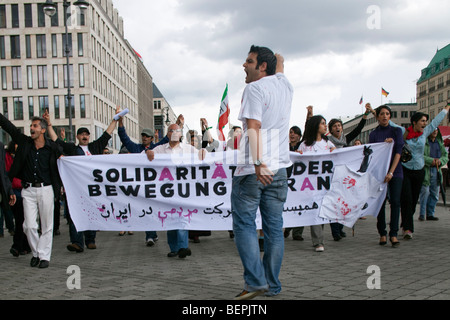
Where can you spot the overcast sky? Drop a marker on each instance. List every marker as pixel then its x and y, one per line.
pixel 335 50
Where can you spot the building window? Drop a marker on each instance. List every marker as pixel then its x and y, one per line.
pixel 54 19
pixel 15 47
pixel 41 15
pixel 30 77
pixel 4 79
pixel 28 15
pixel 2 16
pixel 15 15
pixel 18 108
pixel 43 105
pixel 28 46
pixel 2 47
pixel 404 114
pixel 55 76
pixel 81 74
pixel 42 77
pixel 16 78
pixel 80 45
pixel 41 46
pixel 54 46
pixel 82 106
pixel 30 107
pixel 70 76
pixel 56 111
pixel 5 107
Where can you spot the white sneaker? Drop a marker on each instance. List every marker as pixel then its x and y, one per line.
pixel 150 242
pixel 320 248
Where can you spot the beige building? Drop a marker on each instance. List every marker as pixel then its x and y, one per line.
pixel 433 87
pixel 105 71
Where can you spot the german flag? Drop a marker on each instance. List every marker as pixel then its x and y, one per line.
pixel 384 92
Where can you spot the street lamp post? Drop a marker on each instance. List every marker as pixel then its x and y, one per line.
pixel 50 9
pixel 166 116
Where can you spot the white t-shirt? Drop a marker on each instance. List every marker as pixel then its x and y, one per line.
pixel 86 150
pixel 269 101
pixel 321 145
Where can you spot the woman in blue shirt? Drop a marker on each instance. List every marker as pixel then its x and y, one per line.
pixel 413 170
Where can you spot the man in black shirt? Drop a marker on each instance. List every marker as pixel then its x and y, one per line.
pixel 35 164
pixel 84 147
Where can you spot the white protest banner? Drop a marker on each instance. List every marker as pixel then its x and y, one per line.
pixel 126 192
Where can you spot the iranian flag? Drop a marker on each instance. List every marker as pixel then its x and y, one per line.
pixel 223 114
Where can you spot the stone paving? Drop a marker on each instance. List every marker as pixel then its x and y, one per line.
pixel 123 268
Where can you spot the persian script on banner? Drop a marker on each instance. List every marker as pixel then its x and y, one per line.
pixel 126 192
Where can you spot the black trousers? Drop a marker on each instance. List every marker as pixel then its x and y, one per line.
pixel 412 183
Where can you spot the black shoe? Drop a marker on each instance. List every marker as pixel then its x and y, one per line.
pixel 34 262
pixel 343 234
pixel 395 244
pixel 431 218
pixel 14 252
pixel 337 238
pixel 74 248
pixel 184 252
pixel 172 254
pixel 44 264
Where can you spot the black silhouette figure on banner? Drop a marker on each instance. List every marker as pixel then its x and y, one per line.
pixel 366 161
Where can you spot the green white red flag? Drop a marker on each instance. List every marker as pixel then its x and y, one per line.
pixel 223 114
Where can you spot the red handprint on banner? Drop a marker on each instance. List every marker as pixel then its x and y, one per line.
pixel 350 182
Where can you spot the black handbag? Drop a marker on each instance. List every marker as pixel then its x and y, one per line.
pixel 406 153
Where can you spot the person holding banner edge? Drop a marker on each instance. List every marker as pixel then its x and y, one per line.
pixel 147 136
pixel 340 140
pixel 261 182
pixel 84 147
pixel 178 240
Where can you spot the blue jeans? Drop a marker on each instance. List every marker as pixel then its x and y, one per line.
pixel 246 197
pixel 178 239
pixel 150 235
pixel 429 195
pixel 394 194
pixel 79 238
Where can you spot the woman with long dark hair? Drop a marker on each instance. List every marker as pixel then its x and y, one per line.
pixel 314 140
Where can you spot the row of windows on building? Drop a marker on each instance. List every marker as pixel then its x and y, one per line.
pixel 40 46
pixel 36 10
pixel 13 76
pixel 431 100
pixel 36 106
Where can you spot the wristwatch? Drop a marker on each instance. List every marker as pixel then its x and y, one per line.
pixel 257 163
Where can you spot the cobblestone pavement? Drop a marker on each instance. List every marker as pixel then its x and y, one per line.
pixel 123 268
